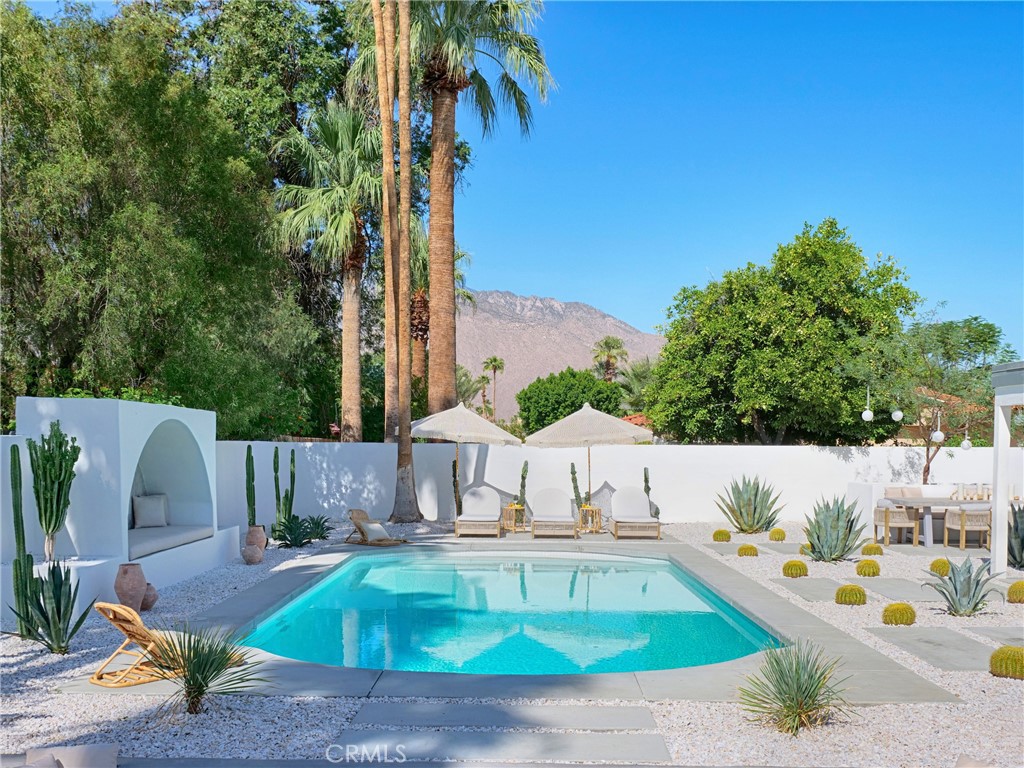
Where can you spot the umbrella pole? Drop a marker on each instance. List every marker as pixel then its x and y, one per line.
pixel 588 474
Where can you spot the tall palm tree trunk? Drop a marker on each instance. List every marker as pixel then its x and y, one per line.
pixel 420 321
pixel 406 508
pixel 441 244
pixel 351 373
pixel 419 359
pixel 494 396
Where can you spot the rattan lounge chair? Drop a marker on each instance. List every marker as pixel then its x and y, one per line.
pixel 971 516
pixel 481 513
pixel 888 516
pixel 369 532
pixel 552 514
pixel 144 666
pixel 631 515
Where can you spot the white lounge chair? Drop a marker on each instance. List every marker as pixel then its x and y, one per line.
pixel 481 513
pixel 552 514
pixel 631 514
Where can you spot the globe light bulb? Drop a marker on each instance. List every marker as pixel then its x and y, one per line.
pixel 966 444
pixel 897 415
pixel 867 414
pixel 938 436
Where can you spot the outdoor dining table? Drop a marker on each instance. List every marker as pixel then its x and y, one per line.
pixel 925 504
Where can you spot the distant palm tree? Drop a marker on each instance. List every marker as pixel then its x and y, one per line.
pixel 495 365
pixel 452 37
pixel 608 353
pixel 466 386
pixel 337 164
pixel 634 380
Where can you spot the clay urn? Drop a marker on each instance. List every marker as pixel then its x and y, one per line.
pixel 150 598
pixel 251 554
pixel 130 585
pixel 256 536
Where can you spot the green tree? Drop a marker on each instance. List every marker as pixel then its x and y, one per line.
pixel 608 353
pixel 763 354
pixel 467 386
pixel 554 397
pixel 635 379
pixel 495 365
pixel 336 166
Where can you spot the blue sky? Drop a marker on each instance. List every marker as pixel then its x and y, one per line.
pixel 686 139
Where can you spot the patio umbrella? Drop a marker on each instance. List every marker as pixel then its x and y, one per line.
pixel 461 425
pixel 589 427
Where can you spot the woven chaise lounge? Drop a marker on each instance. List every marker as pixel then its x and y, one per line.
pixel 144 664
pixel 481 513
pixel 552 514
pixel 631 515
pixel 369 532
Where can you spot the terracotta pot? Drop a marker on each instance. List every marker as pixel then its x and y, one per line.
pixel 256 536
pixel 130 585
pixel 252 555
pixel 150 598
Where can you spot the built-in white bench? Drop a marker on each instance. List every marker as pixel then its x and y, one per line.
pixel 146 541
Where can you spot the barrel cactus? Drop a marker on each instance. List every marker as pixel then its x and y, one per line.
pixel 1015 594
pixel 747 550
pixel 851 594
pixel 776 534
pixel 940 567
pixel 1007 661
pixel 868 568
pixel 899 614
pixel 872 550
pixel 721 535
pixel 794 569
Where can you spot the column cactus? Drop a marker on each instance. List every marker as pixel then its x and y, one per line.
pixel 580 501
pixel 23 572
pixel 53 469
pixel 284 503
pixel 455 487
pixel 250 486
pixel 521 501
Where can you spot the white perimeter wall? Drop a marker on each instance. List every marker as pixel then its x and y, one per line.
pixel 334 477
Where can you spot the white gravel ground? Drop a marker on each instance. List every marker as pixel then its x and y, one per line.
pixel 989 724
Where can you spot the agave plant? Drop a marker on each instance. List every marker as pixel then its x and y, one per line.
pixel 794 688
pixel 203 662
pixel 51 605
pixel 318 527
pixel 292 532
pixel 1016 543
pixel 964 589
pixel 833 533
pixel 749 505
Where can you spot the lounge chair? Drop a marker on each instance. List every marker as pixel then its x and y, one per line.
pixel 481 513
pixel 631 514
pixel 144 666
pixel 888 515
pixel 971 516
pixel 552 514
pixel 369 532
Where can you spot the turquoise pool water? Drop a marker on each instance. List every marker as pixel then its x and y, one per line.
pixel 509 614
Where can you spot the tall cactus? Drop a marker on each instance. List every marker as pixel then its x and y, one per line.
pixel 455 487
pixel 250 486
pixel 53 468
pixel 23 572
pixel 522 484
pixel 580 500
pixel 284 503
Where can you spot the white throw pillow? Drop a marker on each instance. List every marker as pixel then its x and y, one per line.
pixel 150 511
pixel 83 756
pixel 374 531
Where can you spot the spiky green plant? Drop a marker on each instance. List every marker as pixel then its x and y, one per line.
pixel 521 501
pixel 747 550
pixel 776 534
pixel 965 589
pixel 851 594
pixel 250 486
pixel 318 527
pixel 204 662
pixel 1015 546
pixel 749 505
pixel 455 488
pixel 833 533
pixel 1015 593
pixel 868 568
pixel 872 550
pixel 721 535
pixel 23 580
pixel 286 502
pixel 794 688
pixel 51 610
pixel 899 614
pixel 794 569
pixel 580 500
pixel 940 567
pixel 292 532
pixel 655 510
pixel 53 470
pixel 1007 661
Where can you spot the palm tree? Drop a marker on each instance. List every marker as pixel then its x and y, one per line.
pixel 452 37
pixel 466 386
pixel 336 164
pixel 495 365
pixel 608 353
pixel 635 380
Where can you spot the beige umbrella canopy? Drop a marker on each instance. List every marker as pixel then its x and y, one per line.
pixel 589 427
pixel 461 425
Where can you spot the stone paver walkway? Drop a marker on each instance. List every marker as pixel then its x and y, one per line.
pixel 815 590
pixel 950 651
pixel 1004 635
pixel 899 589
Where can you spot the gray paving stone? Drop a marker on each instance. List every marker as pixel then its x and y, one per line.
pixel 815 590
pixel 617 685
pixel 575 717
pixel 784 547
pixel 947 650
pixel 728 547
pixel 900 589
pixel 1004 635
pixel 497 745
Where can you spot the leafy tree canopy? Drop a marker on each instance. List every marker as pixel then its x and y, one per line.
pixel 763 354
pixel 554 397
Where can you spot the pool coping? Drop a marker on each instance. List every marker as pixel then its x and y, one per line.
pixel 872 677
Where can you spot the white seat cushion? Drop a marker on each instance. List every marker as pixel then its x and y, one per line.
pixel 146 541
pixel 374 531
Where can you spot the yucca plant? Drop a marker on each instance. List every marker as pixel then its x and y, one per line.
pixel 318 527
pixel 833 533
pixel 51 607
pixel 1015 548
pixel 749 505
pixel 965 589
pixel 204 662
pixel 292 532
pixel 794 688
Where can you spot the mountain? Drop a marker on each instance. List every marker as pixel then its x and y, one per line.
pixel 537 336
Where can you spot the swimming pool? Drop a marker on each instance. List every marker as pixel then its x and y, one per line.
pixel 509 614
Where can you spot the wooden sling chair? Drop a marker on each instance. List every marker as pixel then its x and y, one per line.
pixel 369 532
pixel 144 666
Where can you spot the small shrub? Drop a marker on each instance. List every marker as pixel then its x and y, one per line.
pixel 899 614
pixel 51 605
pixel 868 568
pixel 872 550
pixel 832 533
pixel 292 532
pixel 940 567
pixel 721 535
pixel 1007 661
pixel 318 527
pixel 794 689
pixel 851 594
pixel 794 569
pixel 964 589
pixel 747 550
pixel 1015 594
pixel 750 505
pixel 776 534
